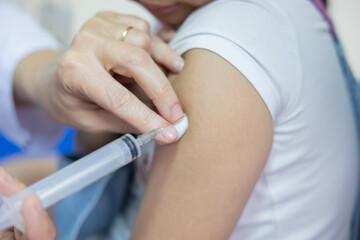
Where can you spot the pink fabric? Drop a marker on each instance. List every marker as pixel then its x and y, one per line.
pixel 321 7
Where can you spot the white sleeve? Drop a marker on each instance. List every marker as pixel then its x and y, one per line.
pixel 28 127
pixel 252 36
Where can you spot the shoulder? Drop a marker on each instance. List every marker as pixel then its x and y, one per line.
pixel 255 37
pixel 239 21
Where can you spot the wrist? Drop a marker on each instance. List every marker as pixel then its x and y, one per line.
pixel 31 74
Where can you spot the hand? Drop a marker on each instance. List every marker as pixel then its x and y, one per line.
pixel 166 33
pixel 162 55
pixel 79 89
pixel 38 225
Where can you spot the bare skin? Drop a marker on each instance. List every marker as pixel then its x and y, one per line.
pixel 198 187
pixel 38 225
pixel 85 86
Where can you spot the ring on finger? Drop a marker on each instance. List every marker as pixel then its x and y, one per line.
pixel 125 33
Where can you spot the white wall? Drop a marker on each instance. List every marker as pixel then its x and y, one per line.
pixel 65 17
pixel 346 17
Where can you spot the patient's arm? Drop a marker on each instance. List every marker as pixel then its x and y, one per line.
pixel 199 186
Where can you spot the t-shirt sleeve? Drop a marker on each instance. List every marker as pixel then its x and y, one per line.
pixel 254 38
pixel 20 35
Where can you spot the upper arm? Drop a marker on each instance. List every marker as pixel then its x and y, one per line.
pixel 199 186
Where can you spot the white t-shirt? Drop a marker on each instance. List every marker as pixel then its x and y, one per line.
pixel 20 35
pixel 308 187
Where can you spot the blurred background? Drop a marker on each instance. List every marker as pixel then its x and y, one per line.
pixel 64 18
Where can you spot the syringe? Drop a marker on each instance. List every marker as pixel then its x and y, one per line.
pixel 77 175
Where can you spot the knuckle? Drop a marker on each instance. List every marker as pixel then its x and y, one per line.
pixel 67 63
pixel 144 41
pixel 120 99
pixel 144 26
pixel 137 57
pixel 146 118
pixel 164 89
pixel 68 68
pixel 82 38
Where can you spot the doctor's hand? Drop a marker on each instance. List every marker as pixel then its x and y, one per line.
pixel 85 86
pixel 38 225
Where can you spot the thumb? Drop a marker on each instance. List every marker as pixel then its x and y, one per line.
pixel 38 225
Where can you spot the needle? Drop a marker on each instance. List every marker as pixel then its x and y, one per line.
pixel 147 137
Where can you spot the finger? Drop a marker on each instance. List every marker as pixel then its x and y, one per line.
pixel 18 234
pixel 8 184
pixel 150 78
pixel 100 29
pixel 38 225
pixel 115 32
pixel 166 33
pixel 125 20
pixel 137 38
pixel 7 235
pixel 116 99
pixel 101 121
pixel 164 55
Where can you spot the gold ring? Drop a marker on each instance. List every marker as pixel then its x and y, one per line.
pixel 125 33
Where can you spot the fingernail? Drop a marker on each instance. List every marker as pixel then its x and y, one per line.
pixel 179 64
pixel 177 112
pixel 169 133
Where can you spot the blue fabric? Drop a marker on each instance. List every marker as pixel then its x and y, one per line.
pixel 92 210
pixel 354 89
pixel 65 146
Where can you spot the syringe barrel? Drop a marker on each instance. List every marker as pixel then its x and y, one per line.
pixel 81 173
